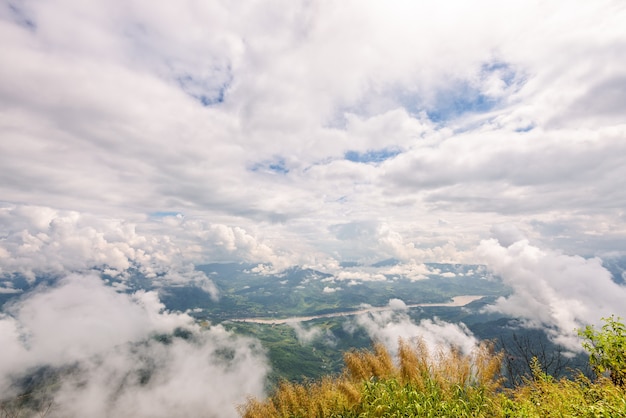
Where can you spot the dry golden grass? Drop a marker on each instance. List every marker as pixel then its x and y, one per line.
pixel 314 399
pixel 364 364
pixel 413 362
pixel 448 372
pixel 447 367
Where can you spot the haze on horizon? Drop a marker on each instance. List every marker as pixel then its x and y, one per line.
pixel 150 138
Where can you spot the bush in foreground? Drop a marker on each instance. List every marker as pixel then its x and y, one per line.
pixel 580 397
pixel 607 349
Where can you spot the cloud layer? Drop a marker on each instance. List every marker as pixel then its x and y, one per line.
pixel 415 126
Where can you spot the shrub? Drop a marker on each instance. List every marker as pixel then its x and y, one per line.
pixel 543 396
pixel 607 349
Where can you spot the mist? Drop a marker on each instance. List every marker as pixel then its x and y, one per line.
pixel 115 354
pixel 388 327
pixel 551 290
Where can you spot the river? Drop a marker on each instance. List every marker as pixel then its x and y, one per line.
pixel 456 301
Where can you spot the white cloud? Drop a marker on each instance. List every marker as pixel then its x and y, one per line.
pixel 507 234
pixel 305 335
pixel 552 290
pixel 107 338
pixel 360 275
pixel 397 304
pixel 308 334
pixel 411 270
pixel 40 240
pixel 389 326
pixel 68 322
pixel 241 118
pixel 209 376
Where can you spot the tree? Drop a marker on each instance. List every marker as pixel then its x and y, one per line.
pixel 521 349
pixel 607 349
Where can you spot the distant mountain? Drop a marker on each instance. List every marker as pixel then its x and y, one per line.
pixel 387 263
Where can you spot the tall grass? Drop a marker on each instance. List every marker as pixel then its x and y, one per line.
pixel 324 398
pixel 446 383
pixel 372 384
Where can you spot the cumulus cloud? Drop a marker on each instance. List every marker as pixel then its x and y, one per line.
pixel 373 240
pixel 552 290
pixel 507 234
pixel 203 109
pixel 410 270
pixel 43 241
pixel 360 274
pixel 103 346
pixel 389 326
pixel 235 242
pixel 397 304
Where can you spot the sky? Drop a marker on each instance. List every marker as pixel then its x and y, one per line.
pixel 155 137
pixel 314 132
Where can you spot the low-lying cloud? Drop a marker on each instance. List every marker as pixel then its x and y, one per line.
pixel 309 334
pixel 125 355
pixel 551 290
pixel 388 327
